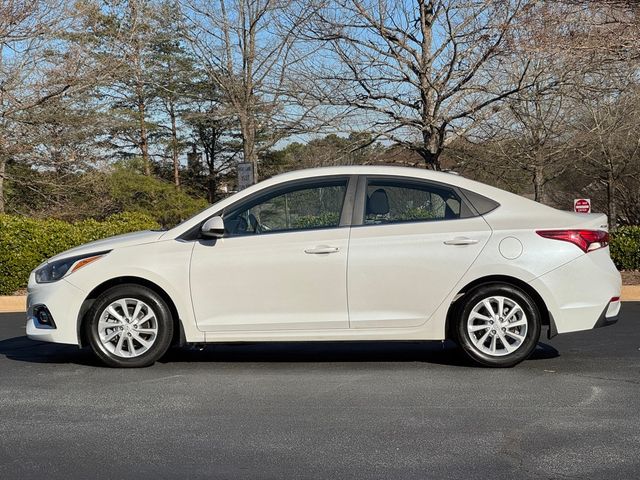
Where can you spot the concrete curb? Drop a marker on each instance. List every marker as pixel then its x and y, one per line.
pixel 17 303
pixel 630 293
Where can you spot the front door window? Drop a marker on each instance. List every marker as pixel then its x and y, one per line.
pixel 303 207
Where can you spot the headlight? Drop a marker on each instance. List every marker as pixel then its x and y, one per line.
pixel 54 271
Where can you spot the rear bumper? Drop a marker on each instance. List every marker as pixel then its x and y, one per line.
pixel 582 294
pixel 609 316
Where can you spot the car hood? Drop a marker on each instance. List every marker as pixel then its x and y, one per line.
pixel 119 241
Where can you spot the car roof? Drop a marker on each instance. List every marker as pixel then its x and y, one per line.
pixel 365 170
pixel 399 171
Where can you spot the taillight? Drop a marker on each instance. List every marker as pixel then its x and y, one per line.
pixel 586 240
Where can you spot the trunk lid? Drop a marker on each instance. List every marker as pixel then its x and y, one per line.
pixel 592 221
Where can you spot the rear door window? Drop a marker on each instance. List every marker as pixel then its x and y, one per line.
pixel 397 201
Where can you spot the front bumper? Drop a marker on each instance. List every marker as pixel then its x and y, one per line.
pixel 63 302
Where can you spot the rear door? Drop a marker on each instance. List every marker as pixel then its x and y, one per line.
pixel 411 242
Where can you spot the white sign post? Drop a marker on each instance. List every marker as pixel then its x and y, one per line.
pixel 245 175
pixel 582 205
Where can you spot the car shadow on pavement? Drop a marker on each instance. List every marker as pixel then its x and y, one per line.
pixel 23 349
pixel 435 352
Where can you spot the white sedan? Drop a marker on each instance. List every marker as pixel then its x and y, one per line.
pixel 331 254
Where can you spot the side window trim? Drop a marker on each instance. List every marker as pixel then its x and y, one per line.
pixel 346 216
pixel 361 195
pixel 480 204
pixel 360 202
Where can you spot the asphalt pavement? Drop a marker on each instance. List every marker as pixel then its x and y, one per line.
pixel 391 410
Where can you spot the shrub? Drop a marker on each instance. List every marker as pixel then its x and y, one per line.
pixel 133 192
pixel 27 242
pixel 625 247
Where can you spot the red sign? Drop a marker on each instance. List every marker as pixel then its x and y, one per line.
pixel 582 205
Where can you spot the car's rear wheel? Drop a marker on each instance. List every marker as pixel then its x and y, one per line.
pixel 129 326
pixel 498 325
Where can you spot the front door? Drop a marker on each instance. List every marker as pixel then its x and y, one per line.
pixel 281 265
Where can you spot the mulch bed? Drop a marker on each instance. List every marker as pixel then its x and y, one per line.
pixel 631 277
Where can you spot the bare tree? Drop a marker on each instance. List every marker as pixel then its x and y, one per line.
pixel 532 132
pixel 56 172
pixel 122 36
pixel 174 79
pixel 135 57
pixel 608 143
pixel 33 70
pixel 246 48
pixel 608 30
pixel 420 73
pixel 629 198
pixel 575 61
pixel 533 136
pixel 212 133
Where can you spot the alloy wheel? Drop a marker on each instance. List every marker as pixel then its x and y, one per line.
pixel 497 326
pixel 127 328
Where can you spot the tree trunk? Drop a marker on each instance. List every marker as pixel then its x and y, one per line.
pixel 538 184
pixel 3 160
pixel 3 164
pixel 211 182
pixel 611 199
pixel 430 151
pixel 174 145
pixel 251 157
pixel 249 145
pixel 431 160
pixel 144 141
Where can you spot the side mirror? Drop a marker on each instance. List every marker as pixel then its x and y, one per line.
pixel 213 228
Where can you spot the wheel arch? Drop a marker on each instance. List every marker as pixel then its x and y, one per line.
pixel 178 329
pixel 545 316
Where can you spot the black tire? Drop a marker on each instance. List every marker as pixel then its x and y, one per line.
pixel 522 348
pixel 163 322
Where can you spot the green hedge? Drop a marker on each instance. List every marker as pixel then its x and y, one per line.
pixel 625 247
pixel 27 242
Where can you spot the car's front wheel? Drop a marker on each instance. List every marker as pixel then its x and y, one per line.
pixel 498 325
pixel 129 325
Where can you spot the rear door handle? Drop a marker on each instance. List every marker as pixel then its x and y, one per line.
pixel 461 241
pixel 322 250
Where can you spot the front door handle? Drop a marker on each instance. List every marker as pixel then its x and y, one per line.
pixel 322 250
pixel 461 241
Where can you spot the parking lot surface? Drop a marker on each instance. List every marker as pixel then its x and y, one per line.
pixel 394 410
